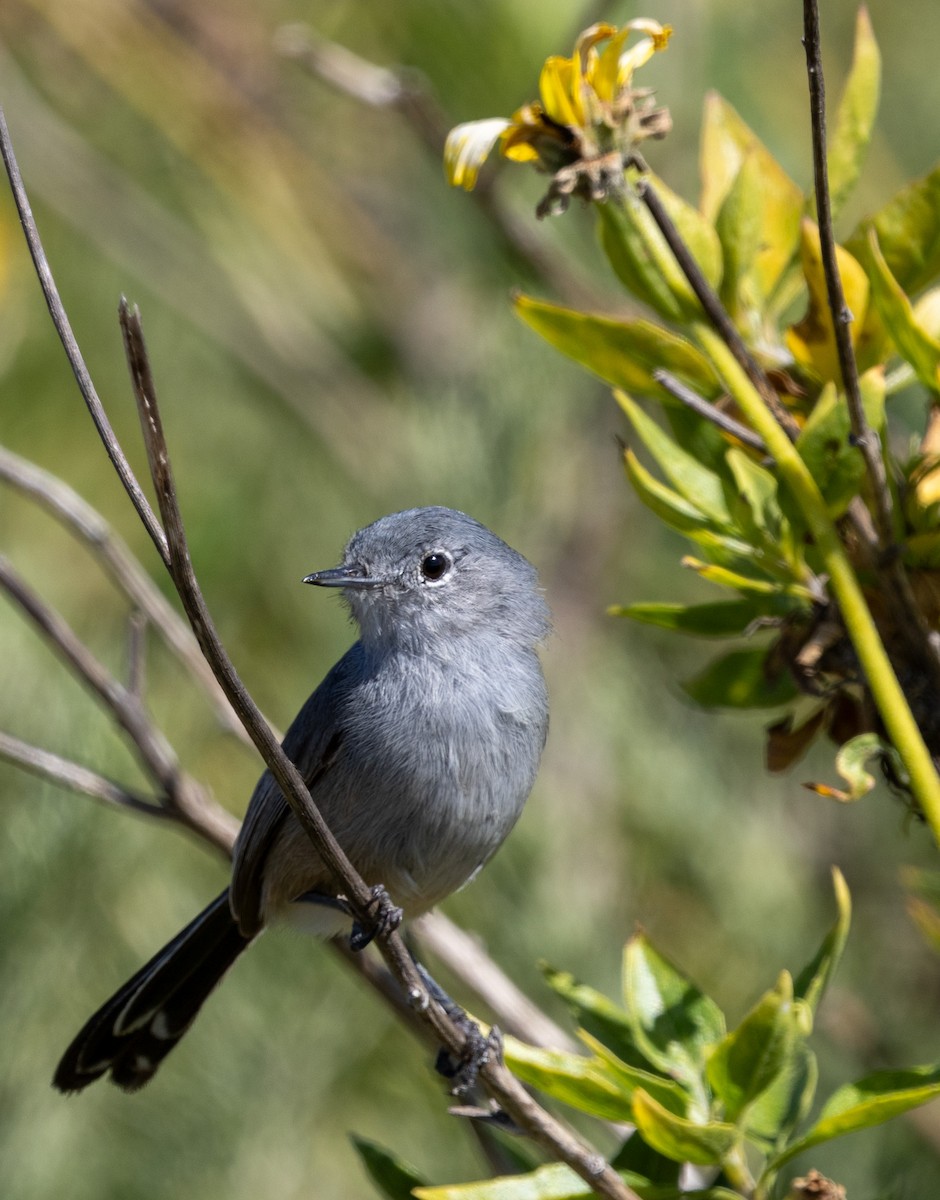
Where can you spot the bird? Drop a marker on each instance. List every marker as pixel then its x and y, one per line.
pixel 420 748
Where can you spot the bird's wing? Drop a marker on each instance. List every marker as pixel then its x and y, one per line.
pixel 313 743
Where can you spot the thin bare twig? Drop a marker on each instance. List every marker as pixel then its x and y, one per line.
pixel 698 404
pixel 77 778
pixel 184 798
pixel 495 1077
pixel 922 642
pixel 78 516
pixel 70 345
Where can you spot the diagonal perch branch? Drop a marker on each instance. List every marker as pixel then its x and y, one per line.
pixel 497 1079
pixel 499 1082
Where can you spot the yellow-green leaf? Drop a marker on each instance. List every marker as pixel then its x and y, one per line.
pixel 783 1106
pixel 824 443
pixel 856 113
pixel 759 227
pixel 908 229
pixel 668 505
pixel 622 353
pixel 571 1078
pixel 852 764
pixel 640 255
pixel 674 1023
pixel 678 1138
pixel 596 1013
pixel 697 231
pixel 812 340
pixel 749 585
pixel 669 1093
pixel 766 197
pixel 914 343
pixel 812 981
pixel 554 1181
pixel 695 483
pixel 871 1101
pixel 642 260
pixel 725 618
pixel 751 1057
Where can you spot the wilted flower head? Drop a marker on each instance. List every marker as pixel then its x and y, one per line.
pixel 587 122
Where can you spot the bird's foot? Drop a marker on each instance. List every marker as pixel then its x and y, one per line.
pixel 383 918
pixel 478 1051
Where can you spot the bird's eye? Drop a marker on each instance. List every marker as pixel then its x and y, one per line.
pixel 434 566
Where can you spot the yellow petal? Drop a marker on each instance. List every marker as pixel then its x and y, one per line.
pixel 517 140
pixel 467 148
pixel 604 78
pixel 559 84
pixel 644 49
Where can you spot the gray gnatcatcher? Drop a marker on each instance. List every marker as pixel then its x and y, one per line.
pixel 420 747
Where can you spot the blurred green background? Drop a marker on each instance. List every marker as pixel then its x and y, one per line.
pixel 332 339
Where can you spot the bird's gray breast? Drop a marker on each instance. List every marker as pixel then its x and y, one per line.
pixel 440 753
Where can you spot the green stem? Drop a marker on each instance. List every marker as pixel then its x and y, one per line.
pixel 882 681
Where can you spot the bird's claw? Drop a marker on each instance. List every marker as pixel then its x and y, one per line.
pixel 384 917
pixel 478 1052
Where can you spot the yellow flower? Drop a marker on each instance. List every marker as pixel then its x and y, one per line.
pixel 586 123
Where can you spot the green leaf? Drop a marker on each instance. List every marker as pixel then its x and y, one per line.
pixel 665 1091
pixel 775 1113
pixel 640 255
pixel 393 1177
pixel 680 1139
pixel 871 1101
pixel 622 353
pixel 596 1014
pixel 740 680
pixel 855 117
pixel 758 489
pixel 725 618
pixel 824 442
pixel 554 1181
pixel 913 342
pixel 908 229
pixel 739 228
pixel 770 590
pixel 670 507
pixel 812 981
pixel 766 197
pixel 701 439
pixel 697 231
pixel 751 1057
pixel 642 260
pixel 695 483
pixel 759 229
pixel 570 1078
pixel 852 764
pixel 674 1023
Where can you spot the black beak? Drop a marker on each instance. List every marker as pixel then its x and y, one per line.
pixel 351 575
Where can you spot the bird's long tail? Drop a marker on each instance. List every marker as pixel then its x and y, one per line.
pixel 132 1033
